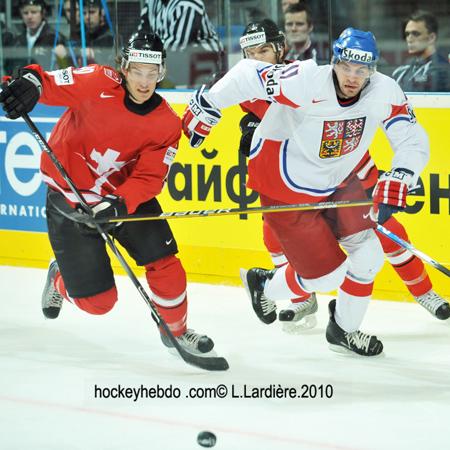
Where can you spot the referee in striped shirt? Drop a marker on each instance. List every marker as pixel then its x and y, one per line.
pixel 180 23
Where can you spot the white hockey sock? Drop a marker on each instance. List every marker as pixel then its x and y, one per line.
pixel 350 310
pixel 278 288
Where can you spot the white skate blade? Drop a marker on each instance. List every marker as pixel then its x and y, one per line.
pixel 346 352
pixel 307 323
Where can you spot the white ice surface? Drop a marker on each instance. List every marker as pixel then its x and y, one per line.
pixel 48 370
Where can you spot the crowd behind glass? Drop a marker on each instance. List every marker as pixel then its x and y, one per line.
pixel 414 37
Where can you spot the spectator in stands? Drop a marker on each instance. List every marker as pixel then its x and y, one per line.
pixel 34 44
pixel 298 26
pixel 99 37
pixel 7 36
pixel 427 70
pixel 70 5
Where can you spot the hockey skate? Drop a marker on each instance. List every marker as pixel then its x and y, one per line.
pixel 52 300
pixel 254 281
pixel 434 304
pixel 355 342
pixel 191 341
pixel 299 316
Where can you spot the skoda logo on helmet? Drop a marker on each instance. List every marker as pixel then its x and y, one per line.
pixel 350 54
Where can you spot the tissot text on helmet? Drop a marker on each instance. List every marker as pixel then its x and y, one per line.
pixel 145 56
pixel 253 39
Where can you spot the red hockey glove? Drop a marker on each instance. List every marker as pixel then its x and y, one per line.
pixel 199 117
pixel 389 195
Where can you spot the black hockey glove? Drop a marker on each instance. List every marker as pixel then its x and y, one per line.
pixel 20 95
pixel 247 125
pixel 112 206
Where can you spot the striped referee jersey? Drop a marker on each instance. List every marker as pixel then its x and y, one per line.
pixel 180 23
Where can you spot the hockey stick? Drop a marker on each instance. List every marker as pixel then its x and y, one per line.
pixel 413 250
pixel 233 211
pixel 330 30
pixel 204 362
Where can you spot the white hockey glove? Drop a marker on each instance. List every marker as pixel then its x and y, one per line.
pixel 389 195
pixel 199 117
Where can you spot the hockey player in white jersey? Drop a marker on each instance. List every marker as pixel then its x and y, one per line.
pixel 264 41
pixel 320 124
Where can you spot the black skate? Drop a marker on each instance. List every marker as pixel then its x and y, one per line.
pixel 254 280
pixel 52 300
pixel 356 341
pixel 299 316
pixel 191 341
pixel 434 304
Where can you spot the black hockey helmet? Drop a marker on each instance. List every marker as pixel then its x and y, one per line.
pixel 145 47
pixel 263 32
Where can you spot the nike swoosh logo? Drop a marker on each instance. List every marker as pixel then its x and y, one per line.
pixel 103 95
pixel 366 216
pixel 169 241
pixel 318 101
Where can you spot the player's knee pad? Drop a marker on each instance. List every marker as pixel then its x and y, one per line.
pixel 365 254
pixel 166 277
pixel 327 282
pixel 98 304
pixel 389 246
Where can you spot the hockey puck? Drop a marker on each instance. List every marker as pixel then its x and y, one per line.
pixel 206 439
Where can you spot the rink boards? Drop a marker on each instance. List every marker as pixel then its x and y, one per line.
pixel 214 248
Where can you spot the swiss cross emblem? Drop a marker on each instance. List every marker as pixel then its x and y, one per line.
pixel 340 137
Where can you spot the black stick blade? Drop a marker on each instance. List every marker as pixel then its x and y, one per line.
pixel 211 363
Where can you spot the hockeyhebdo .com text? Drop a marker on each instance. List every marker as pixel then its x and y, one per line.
pixel 220 391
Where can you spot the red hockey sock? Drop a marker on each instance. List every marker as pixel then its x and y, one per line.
pixel 97 304
pixel 167 280
pixel 273 246
pixel 356 289
pixel 352 302
pixel 294 284
pixel 60 287
pixel 409 268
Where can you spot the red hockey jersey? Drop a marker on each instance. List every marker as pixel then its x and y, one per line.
pixel 104 146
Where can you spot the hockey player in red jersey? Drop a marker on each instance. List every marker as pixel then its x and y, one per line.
pixel 263 41
pixel 408 267
pixel 318 127
pixel 116 140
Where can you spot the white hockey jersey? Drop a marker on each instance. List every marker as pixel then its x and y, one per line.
pixel 308 142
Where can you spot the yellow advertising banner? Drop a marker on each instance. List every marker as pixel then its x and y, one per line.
pixel 214 248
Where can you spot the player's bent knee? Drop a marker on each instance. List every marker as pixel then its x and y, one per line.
pixel 98 304
pixel 327 282
pixel 166 277
pixel 365 254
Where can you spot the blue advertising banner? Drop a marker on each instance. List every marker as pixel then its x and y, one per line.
pixel 22 193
